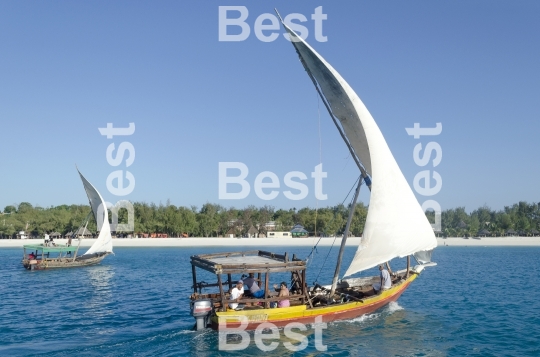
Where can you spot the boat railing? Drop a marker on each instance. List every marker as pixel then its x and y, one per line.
pixel 300 298
pixel 295 299
pixel 202 285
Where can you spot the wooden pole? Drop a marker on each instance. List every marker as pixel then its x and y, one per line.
pixel 77 250
pixel 230 281
pixel 388 267
pixel 344 240
pixel 266 291
pixel 408 265
pixel 303 284
pixel 80 239
pixel 222 294
pixel 194 275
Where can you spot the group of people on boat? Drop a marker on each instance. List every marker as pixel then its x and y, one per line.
pixel 253 290
pixel 49 242
pixel 248 287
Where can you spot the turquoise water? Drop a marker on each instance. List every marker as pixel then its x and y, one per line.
pixel 479 301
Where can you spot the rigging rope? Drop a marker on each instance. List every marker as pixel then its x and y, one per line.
pixel 314 249
pixel 320 160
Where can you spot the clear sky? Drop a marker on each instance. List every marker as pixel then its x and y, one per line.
pixel 68 68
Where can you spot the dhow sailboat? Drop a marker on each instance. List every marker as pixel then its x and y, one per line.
pixel 38 256
pixel 395 227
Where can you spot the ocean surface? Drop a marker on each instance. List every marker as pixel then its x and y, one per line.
pixel 478 301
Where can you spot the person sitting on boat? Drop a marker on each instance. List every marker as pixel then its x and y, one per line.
pixel 386 280
pixel 283 291
pixel 253 287
pixel 31 256
pixel 236 294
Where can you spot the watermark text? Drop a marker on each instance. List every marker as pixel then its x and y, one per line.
pixel 429 188
pixel 267 182
pixel 268 341
pixel 233 26
pixel 117 176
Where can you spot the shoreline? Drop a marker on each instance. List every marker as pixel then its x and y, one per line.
pixel 274 242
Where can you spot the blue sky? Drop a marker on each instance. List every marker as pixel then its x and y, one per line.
pixel 68 68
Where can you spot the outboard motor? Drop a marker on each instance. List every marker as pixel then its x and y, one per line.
pixel 201 310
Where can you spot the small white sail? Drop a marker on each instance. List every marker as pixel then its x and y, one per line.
pixel 103 243
pixel 395 226
pixel 423 256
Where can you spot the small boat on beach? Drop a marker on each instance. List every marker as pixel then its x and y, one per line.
pixel 38 256
pixel 396 227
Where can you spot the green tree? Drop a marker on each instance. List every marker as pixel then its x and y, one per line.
pixel 474 226
pixel 208 219
pixel 10 209
pixel 359 219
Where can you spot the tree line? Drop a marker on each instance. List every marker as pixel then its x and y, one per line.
pixel 522 217
pixel 214 220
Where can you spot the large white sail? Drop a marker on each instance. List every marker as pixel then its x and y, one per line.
pixel 395 225
pixel 103 243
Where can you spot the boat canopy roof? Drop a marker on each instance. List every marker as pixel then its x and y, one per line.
pixel 50 249
pixel 254 261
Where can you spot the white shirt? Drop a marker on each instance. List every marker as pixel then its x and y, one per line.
pixel 235 293
pixel 386 281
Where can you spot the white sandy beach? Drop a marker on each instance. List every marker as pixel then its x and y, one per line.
pixel 195 242
pixel 490 241
pixel 275 242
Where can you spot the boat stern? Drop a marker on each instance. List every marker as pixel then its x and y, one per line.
pixel 201 310
pixel 30 264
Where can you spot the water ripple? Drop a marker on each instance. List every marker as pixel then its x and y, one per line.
pixel 476 302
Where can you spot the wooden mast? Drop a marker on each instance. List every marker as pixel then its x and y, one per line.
pixel 344 240
pixel 81 238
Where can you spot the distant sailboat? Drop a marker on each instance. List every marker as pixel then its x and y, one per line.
pixel 395 227
pixel 38 256
pixel 103 244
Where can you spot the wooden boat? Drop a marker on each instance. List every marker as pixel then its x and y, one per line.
pixel 66 257
pixel 396 227
pixel 38 256
pixel 353 297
